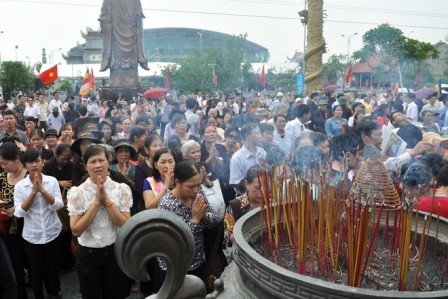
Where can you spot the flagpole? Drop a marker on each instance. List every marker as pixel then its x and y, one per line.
pixel 399 73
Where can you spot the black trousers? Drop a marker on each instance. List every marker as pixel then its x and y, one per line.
pixel 99 275
pixel 8 285
pixel 66 258
pixel 44 262
pixel 16 250
pixel 43 125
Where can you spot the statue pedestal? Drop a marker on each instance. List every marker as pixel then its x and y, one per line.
pixel 123 83
pixel 124 79
pixel 114 94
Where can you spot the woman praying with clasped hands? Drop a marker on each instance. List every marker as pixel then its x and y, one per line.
pixel 97 209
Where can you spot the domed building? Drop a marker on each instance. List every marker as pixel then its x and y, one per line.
pixel 167 45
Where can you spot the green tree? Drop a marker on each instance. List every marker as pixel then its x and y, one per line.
pixel 188 75
pixel 66 86
pixel 401 56
pixel 285 81
pixel 445 73
pixel 250 79
pixel 194 73
pixel 334 69
pixel 15 76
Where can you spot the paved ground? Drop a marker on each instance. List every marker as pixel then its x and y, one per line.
pixel 70 287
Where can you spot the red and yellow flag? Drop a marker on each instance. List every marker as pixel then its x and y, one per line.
pixel 49 75
pixel 85 84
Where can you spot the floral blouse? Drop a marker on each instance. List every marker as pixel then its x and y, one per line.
pixel 170 203
pixel 102 231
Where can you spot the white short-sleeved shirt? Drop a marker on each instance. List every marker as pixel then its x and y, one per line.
pixel 102 231
pixel 33 111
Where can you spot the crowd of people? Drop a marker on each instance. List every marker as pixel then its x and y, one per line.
pixel 73 172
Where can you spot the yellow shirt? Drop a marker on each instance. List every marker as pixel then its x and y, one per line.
pixel 367 107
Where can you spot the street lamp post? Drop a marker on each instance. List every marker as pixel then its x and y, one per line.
pixel 1 32
pixel 16 47
pixel 349 37
pixel 52 54
pixel 304 38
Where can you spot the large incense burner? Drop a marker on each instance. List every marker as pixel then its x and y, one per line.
pixel 257 277
pixel 312 241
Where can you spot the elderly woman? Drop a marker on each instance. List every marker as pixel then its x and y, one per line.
pixel 51 140
pixel 123 153
pixel 186 201
pixel 98 208
pixel 282 139
pixel 191 150
pixel 126 125
pixel 36 199
pixel 212 121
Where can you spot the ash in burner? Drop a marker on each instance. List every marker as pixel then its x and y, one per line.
pixel 382 272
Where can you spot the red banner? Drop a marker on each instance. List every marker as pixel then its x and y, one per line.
pixel 168 80
pixel 348 75
pixel 92 80
pixel 262 79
